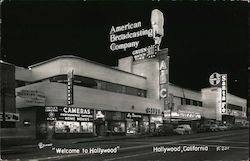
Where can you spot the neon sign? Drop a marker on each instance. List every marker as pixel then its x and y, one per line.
pixel 115 36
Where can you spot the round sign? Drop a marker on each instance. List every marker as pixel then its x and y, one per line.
pixel 51 114
pixel 214 79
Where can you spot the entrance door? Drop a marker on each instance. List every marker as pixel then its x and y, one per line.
pixel 100 128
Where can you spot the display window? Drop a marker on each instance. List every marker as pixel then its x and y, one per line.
pixel 132 127
pixel 73 127
pixel 145 127
pixel 86 127
pixel 116 126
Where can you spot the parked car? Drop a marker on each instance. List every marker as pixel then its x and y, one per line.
pixel 222 127
pixel 203 128
pixel 183 129
pixel 214 127
pixel 164 130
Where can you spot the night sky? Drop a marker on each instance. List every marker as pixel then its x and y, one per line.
pixel 202 38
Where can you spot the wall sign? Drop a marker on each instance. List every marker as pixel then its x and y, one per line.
pixel 223 93
pixel 61 113
pixel 215 79
pixel 99 115
pixel 29 98
pixel 164 78
pixel 133 115
pixel 154 111
pixel 70 87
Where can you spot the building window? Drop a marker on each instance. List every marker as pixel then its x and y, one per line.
pixel 234 107
pixel 99 84
pixel 200 103
pixel 195 103
pixel 183 102
pixel 103 85
pixel 114 87
pixel 187 101
pixel 131 91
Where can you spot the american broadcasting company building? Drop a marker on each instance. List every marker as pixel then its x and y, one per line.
pixel 69 94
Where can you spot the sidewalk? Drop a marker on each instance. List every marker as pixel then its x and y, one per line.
pixel 31 144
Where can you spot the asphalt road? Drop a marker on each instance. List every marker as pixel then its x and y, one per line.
pixel 213 146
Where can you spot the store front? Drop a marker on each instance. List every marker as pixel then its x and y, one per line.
pixel 115 123
pixel 155 122
pixel 137 124
pixel 183 117
pixel 69 122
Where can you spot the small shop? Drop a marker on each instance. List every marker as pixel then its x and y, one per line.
pixel 121 123
pixel 155 122
pixel 115 123
pixel 70 121
pixel 137 123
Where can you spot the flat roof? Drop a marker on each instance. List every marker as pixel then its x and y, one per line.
pixel 184 88
pixel 76 57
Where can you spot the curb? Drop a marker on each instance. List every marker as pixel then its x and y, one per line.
pixel 108 139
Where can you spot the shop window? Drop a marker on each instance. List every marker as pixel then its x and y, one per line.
pixel 86 127
pixel 73 127
pixel 132 127
pixel 116 127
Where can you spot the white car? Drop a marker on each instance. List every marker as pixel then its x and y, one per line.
pixel 183 129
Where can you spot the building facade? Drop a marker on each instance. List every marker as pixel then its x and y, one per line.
pixel 123 100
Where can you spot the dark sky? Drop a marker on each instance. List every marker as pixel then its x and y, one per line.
pixel 202 37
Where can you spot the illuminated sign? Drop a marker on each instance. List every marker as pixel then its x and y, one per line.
pixel 223 93
pixel 12 117
pixel 144 53
pixel 215 79
pixel 60 113
pixel 163 93
pixel 99 115
pixel 133 115
pixel 70 88
pixel 155 119
pixel 157 22
pixel 115 36
pixel 180 114
pixel 155 111
pixel 164 78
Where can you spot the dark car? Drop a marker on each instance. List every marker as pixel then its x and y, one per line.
pixel 164 130
pixel 203 128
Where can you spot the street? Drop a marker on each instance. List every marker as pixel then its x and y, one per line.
pixel 226 145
